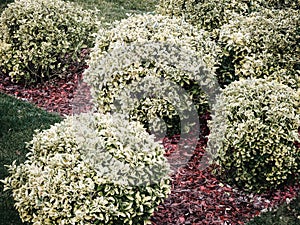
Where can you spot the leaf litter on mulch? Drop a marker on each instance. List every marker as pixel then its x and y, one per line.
pixel 197 196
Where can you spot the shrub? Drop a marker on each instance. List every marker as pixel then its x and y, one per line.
pixel 254 131
pixel 151 46
pixel 40 38
pixel 212 14
pixel 280 4
pixel 262 45
pixel 90 169
pixel 207 14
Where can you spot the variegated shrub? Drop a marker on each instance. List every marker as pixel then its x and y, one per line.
pixel 254 131
pixel 207 14
pixel 262 45
pixel 90 169
pixel 151 46
pixel 212 14
pixel 40 38
pixel 280 4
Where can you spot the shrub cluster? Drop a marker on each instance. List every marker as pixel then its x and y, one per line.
pixel 264 44
pixel 212 14
pixel 145 46
pixel 105 169
pixel 90 169
pixel 258 38
pixel 207 14
pixel 40 38
pixel 253 134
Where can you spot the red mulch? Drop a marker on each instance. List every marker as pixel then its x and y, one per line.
pixel 63 96
pixel 197 196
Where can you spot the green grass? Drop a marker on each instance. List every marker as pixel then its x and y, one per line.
pixel 111 10
pixel 18 120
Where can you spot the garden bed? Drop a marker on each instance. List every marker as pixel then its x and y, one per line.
pixel 197 196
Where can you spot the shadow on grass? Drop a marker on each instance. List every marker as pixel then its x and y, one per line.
pixel 18 121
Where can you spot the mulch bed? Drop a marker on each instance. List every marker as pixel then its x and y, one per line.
pixel 197 196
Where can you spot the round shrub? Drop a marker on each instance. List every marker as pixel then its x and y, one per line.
pixel 145 46
pixel 262 45
pixel 39 39
pixel 254 131
pixel 207 14
pixel 212 14
pixel 90 169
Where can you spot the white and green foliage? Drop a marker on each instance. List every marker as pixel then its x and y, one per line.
pixel 90 169
pixel 212 14
pixel 145 46
pixel 207 14
pixel 253 134
pixel 280 4
pixel 262 45
pixel 40 38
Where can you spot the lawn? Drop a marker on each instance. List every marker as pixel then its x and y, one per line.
pixel 19 120
pixel 111 10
